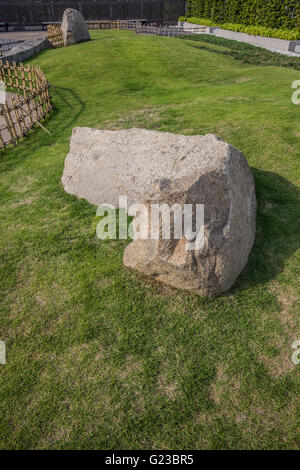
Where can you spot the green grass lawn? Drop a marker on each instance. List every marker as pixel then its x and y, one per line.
pixel 101 357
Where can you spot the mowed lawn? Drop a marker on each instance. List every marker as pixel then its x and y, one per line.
pixel 101 357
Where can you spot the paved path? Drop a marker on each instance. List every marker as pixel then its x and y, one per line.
pixel 23 35
pixel 279 51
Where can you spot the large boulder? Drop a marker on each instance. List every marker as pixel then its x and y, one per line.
pixel 153 167
pixel 74 28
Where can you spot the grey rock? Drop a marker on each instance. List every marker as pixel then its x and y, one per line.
pixel 164 168
pixel 74 28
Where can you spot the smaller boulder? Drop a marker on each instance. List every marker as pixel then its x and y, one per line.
pixel 74 28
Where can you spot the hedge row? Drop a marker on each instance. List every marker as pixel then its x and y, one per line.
pixel 201 21
pixel 290 35
pixel 279 14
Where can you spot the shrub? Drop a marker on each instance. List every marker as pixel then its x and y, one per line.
pixel 278 14
pixel 201 21
pixel 290 35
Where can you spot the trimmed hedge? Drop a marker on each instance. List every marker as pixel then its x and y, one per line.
pixel 290 35
pixel 278 14
pixel 201 21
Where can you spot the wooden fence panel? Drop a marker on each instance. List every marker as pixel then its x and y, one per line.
pixel 31 103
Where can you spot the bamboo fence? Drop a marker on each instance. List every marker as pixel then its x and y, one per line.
pixel 55 35
pixel 116 24
pixel 169 31
pixel 27 106
pixel 56 38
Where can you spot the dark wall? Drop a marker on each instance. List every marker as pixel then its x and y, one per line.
pixel 37 11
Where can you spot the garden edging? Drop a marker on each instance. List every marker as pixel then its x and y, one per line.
pixel 267 43
pixel 26 49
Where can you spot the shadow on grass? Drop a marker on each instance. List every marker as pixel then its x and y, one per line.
pixel 56 122
pixel 277 233
pixel 71 100
pixel 243 52
pixel 277 229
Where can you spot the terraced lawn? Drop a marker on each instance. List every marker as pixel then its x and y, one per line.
pixel 99 356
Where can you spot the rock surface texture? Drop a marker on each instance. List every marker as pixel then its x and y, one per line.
pixel 153 167
pixel 74 28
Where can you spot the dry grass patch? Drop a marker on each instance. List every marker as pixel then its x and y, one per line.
pixel 144 117
pixel 166 384
pixel 222 383
pixel 287 298
pixel 24 202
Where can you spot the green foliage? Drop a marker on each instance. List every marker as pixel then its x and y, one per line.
pixel 241 51
pixel 99 357
pixel 283 14
pixel 290 35
pixel 201 21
